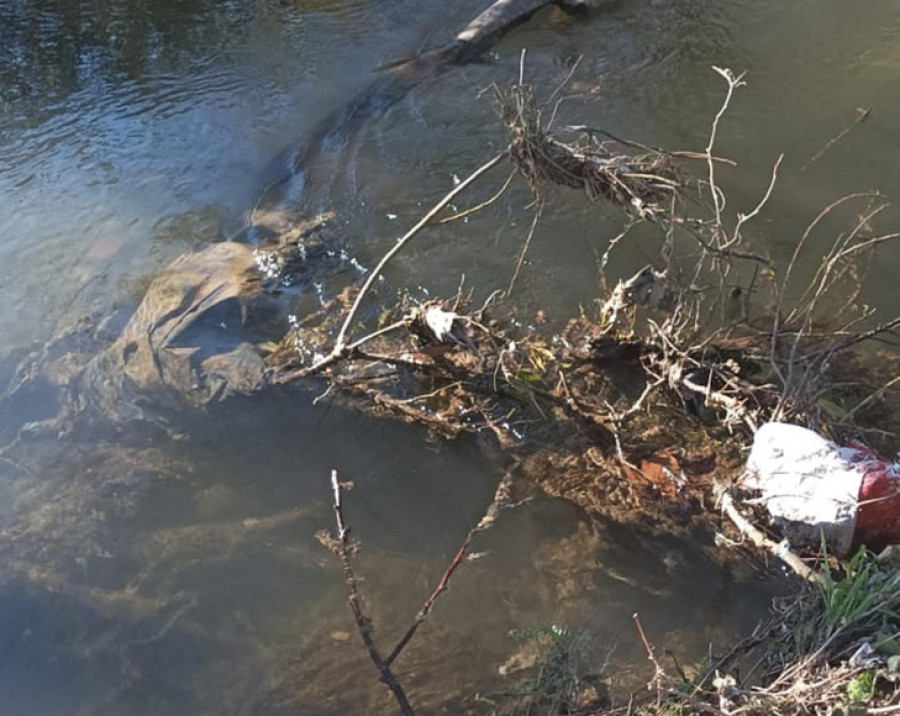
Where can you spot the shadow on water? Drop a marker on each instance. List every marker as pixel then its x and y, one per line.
pixel 181 574
pixel 206 564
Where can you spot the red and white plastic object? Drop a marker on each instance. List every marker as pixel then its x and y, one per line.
pixel 812 487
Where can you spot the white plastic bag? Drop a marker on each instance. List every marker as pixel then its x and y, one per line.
pixel 808 484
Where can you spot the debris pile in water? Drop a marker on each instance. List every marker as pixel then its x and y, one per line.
pixel 645 401
pixel 645 184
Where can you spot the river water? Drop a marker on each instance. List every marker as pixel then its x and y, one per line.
pixel 131 132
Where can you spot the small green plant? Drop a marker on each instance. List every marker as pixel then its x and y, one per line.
pixel 849 598
pixel 551 632
pixel 559 684
pixel 859 595
pixel 556 679
pixel 861 690
pixel 669 707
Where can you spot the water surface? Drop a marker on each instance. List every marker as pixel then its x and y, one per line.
pixel 131 132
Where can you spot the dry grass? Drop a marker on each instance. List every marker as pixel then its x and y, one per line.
pixel 832 649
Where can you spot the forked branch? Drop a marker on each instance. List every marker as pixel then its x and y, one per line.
pixel 343 547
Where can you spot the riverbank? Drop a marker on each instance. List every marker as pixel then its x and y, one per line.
pixel 831 649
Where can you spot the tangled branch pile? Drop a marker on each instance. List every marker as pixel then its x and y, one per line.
pixel 644 184
pixel 592 395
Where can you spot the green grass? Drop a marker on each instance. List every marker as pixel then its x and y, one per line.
pixel 847 599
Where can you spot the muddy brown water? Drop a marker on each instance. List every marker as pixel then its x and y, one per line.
pixel 190 583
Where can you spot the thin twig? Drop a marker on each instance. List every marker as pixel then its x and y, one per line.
pixel 660 676
pixel 534 222
pixel 482 205
pixel 501 499
pixel 876 395
pixel 866 335
pixel 862 114
pixel 421 224
pixel 786 380
pixel 744 218
pixel 363 623
pixel 733 82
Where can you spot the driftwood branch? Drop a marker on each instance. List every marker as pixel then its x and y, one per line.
pixel 779 549
pixel 344 549
pixel 394 82
pixel 501 498
pixel 480 34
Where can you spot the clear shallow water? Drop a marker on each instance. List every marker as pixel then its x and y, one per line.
pixel 132 132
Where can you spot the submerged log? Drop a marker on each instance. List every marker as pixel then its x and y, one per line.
pixel 486 29
pixel 333 133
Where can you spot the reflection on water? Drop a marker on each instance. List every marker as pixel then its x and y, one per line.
pixel 173 568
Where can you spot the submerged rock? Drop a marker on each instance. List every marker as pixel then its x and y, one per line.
pixel 192 338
